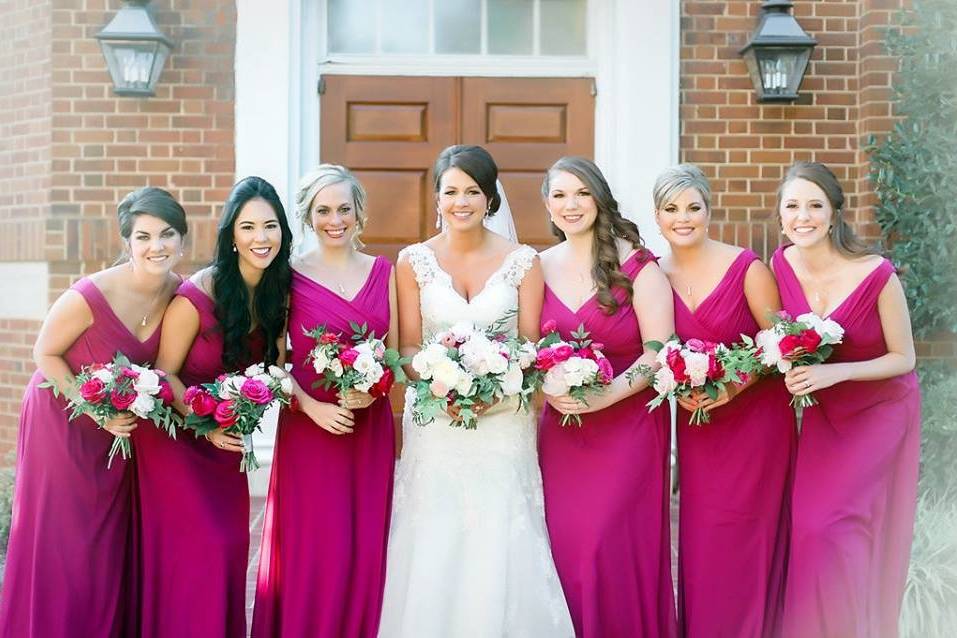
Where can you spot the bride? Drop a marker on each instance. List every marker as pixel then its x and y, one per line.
pixel 468 549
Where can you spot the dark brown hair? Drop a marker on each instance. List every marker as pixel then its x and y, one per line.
pixel 841 235
pixel 475 162
pixel 610 225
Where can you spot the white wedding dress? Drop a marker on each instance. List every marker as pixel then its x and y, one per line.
pixel 468 549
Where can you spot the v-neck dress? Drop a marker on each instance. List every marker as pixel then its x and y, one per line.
pixel 606 489
pixel 855 483
pixel 67 561
pixel 192 512
pixel 322 566
pixel 735 480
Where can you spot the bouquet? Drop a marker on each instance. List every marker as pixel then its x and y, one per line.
pixel 463 366
pixel 701 366
pixel 804 341
pixel 236 403
pixel 365 364
pixel 120 386
pixel 576 367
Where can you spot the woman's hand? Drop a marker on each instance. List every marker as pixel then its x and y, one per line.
pixel 121 425
pixel 330 417
pixel 701 400
pixel 225 441
pixel 594 402
pixel 356 400
pixel 802 380
pixel 479 408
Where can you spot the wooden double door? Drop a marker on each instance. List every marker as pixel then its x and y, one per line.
pixel 389 130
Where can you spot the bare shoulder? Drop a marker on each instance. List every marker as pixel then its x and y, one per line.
pixel 203 279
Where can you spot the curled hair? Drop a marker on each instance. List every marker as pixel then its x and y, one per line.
pixel 152 201
pixel 327 175
pixel 677 179
pixel 269 303
pixel 842 236
pixel 475 162
pixel 610 225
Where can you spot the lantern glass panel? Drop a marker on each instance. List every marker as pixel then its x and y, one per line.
pixel 134 65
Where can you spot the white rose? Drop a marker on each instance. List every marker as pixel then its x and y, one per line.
pixel 554 383
pixel 497 362
pixel 364 363
pixel 512 381
pixel 767 341
pixel 230 387
pixel 662 356
pixel 464 386
pixel 526 355
pixel 276 372
pixel 370 377
pixel 147 382
pixel 104 374
pixel 253 370
pixel 364 348
pixel 831 332
pixel 319 361
pixel 664 382
pixel 142 405
pixel 696 365
pixel 335 367
pixel 426 359
pixel 264 378
pixel 286 385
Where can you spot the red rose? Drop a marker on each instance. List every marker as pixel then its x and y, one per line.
pixel 225 414
pixel 549 326
pixel 587 353
pixel 199 401
pixel 381 387
pixel 677 365
pixel 256 391
pixel 715 369
pixel 328 337
pixel 165 393
pixel 605 371
pixel 348 356
pixel 810 340
pixel 93 390
pixel 122 399
pixel 790 345
pixel 545 359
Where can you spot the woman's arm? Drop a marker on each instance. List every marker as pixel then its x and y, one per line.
pixel 531 296
pixel 409 314
pixel 900 358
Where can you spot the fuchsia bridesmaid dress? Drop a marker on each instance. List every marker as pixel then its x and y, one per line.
pixel 735 477
pixel 68 557
pixel 606 490
pixel 322 568
pixel 192 532
pixel 855 484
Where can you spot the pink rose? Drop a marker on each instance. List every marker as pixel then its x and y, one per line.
pixel 605 370
pixel 563 352
pixel 200 401
pixel 438 388
pixel 225 414
pixel 549 326
pixel 587 353
pixel 696 345
pixel 122 399
pixel 129 373
pixel 597 346
pixel 256 391
pixel 348 356
pixel 93 390
pixel 545 359
pixel 165 394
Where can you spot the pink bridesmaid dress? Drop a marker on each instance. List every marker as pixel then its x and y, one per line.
pixel 68 557
pixel 735 479
pixel 322 568
pixel 855 484
pixel 606 490
pixel 192 531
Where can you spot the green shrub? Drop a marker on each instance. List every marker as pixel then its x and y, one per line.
pixel 914 170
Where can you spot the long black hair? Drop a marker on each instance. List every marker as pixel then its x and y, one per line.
pixel 229 289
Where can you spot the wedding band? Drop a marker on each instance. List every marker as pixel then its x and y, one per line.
pixel 807 385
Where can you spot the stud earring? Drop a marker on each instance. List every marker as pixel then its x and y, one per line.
pixel 234 248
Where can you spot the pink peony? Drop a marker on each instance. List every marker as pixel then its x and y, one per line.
pixel 549 326
pixel 348 356
pixel 256 391
pixel 605 370
pixel 225 414
pixel 93 390
pixel 563 352
pixel 121 400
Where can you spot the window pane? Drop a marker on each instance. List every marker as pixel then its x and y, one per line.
pixel 458 26
pixel 510 27
pixel 405 26
pixel 563 27
pixel 351 26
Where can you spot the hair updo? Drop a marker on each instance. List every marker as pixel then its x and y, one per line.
pixel 677 179
pixel 328 175
pixel 152 201
pixel 475 162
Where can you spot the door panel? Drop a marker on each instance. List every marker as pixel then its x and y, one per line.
pixel 389 130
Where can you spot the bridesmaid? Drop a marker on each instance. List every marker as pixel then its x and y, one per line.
pixel 69 541
pixel 606 482
pixel 733 519
pixel 193 500
pixel 322 567
pixel 855 484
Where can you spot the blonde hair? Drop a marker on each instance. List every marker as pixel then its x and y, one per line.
pixel 673 181
pixel 326 175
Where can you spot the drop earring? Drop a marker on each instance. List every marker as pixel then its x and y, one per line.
pixel 438 219
pixel 234 248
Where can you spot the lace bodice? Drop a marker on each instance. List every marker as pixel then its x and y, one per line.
pixel 442 305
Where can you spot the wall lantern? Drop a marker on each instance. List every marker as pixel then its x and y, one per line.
pixel 778 53
pixel 135 49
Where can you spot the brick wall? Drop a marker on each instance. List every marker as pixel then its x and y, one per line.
pixel 93 147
